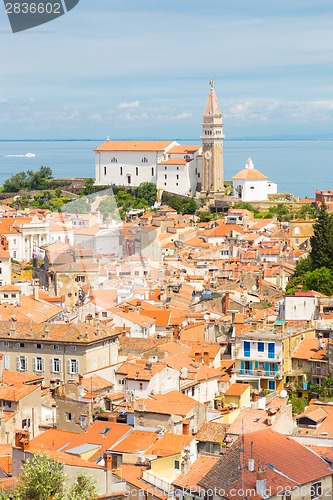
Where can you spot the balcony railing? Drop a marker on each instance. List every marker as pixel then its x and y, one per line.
pixel 259 373
pixel 320 371
pixel 161 484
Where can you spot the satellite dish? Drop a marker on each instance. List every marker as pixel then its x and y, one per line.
pixel 254 288
pixel 206 317
pixel 283 393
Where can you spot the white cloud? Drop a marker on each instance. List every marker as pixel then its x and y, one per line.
pixel 183 116
pixel 129 105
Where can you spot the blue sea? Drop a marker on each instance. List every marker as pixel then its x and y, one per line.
pixel 297 166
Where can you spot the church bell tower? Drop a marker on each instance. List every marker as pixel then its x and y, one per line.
pixel 212 146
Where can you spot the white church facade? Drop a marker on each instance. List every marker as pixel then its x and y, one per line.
pixel 173 167
pixel 251 185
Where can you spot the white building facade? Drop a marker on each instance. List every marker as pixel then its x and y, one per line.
pixel 251 185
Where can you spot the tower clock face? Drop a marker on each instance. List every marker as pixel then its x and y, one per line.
pixel 208 155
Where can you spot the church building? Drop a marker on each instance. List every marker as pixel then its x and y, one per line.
pixel 176 168
pixel 251 185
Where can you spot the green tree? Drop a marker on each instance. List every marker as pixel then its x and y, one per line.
pixel 15 183
pixel 79 206
pixel 190 207
pixel 82 489
pixel 89 186
pixel 319 279
pixel 322 240
pixel 298 404
pixel 42 478
pixel 108 206
pixel 148 191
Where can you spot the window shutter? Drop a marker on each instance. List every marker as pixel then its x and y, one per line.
pixel 60 365
pixel 52 365
pixel 26 363
pixel 6 362
pixel 43 365
pixel 77 366
pixel 35 364
pixel 18 364
pixel 69 366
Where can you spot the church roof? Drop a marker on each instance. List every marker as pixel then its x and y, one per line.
pixel 135 145
pixel 212 106
pixel 249 172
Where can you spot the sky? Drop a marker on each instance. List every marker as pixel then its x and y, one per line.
pixel 141 69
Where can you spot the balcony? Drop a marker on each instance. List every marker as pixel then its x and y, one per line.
pixel 260 373
pixel 322 371
pixel 163 485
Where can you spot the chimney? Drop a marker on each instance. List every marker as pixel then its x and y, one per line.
pixel 197 356
pixel 46 331
pixel 108 461
pixel 250 465
pixel 22 440
pixel 206 358
pixel 261 481
pixel 176 332
pixel 12 328
pixel 36 292
pixel 186 427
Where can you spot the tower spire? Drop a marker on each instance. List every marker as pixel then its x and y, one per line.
pixel 212 145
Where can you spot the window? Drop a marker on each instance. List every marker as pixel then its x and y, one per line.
pixel 316 491
pixel 193 391
pixel 122 381
pixel 55 365
pixel 271 350
pixel 39 346
pixel 165 176
pixel 83 421
pixel 6 295
pixel 177 177
pixel 152 172
pixel 21 345
pixel 26 423
pixel 38 364
pixel 80 279
pixel 5 344
pixel 21 363
pixel 0 270
pixel 261 347
pixel 73 348
pixel 136 171
pixel 121 170
pixel 56 347
pixel 73 366
pixel 14 254
pixel 68 416
pixel 247 349
pixel 104 170
pixel 141 386
pixel 177 465
pixel 6 362
pixel 271 385
pixel 104 314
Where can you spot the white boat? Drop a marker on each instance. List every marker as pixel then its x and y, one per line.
pixel 30 155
